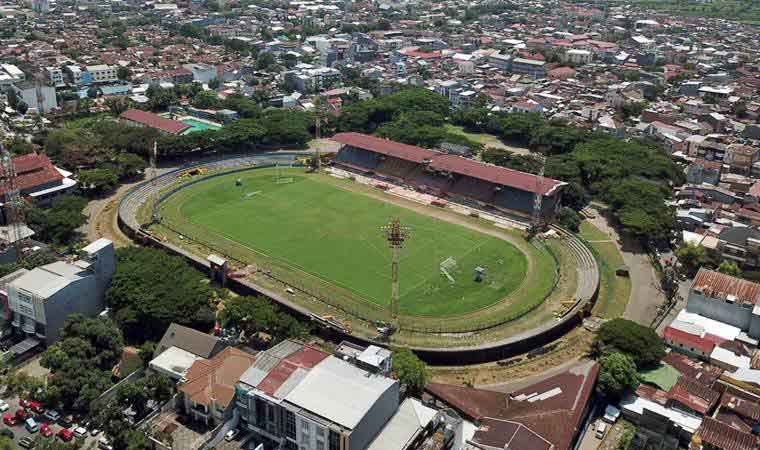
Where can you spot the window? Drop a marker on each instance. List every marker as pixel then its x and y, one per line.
pixel 290 424
pixel 334 440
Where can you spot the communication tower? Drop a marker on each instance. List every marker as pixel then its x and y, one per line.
pixel 13 207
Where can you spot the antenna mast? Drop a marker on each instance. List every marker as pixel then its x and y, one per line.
pixel 12 204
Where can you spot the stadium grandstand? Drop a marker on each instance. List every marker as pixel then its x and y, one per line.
pixel 456 178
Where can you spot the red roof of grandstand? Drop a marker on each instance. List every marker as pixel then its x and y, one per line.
pixel 154 121
pixel 495 174
pixel 385 147
pixel 450 163
pixel 34 170
pixel 689 340
pixel 720 435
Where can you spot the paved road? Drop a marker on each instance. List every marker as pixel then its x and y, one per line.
pixel 646 295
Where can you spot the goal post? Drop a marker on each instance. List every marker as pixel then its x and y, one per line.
pixel 279 178
pixel 448 266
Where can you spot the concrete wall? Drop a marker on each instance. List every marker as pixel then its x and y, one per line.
pixel 375 419
pixel 79 297
pixel 730 313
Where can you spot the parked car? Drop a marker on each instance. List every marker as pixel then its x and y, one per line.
pixel 601 428
pixel 45 430
pixel 31 425
pixel 4 406
pixel 52 415
pixel 7 433
pixel 104 444
pixel 67 421
pixel 232 434
pixel 65 435
pixel 94 432
pixel 26 442
pixel 9 420
pixel 80 432
pixel 21 414
pixel 36 407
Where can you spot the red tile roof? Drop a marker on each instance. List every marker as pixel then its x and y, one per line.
pixel 743 407
pixel 33 170
pixel 213 380
pixel 696 370
pixel 451 163
pixel 724 437
pixel 689 340
pixel 154 121
pixel 717 285
pixel 696 396
pixel 555 419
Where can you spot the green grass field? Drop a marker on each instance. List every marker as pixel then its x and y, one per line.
pixel 335 234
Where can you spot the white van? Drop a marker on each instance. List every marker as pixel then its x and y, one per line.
pixel 601 428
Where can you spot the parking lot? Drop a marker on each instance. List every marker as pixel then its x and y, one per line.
pixel 20 431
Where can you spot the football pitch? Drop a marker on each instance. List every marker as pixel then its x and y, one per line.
pixel 316 225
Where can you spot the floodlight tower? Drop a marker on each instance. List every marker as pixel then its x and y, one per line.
pixel 318 110
pixel 395 234
pixel 14 209
pixel 536 220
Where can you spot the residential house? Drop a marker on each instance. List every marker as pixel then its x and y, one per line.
pixel 208 389
pixel 180 347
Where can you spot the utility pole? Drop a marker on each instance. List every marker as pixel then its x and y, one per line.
pixel 395 234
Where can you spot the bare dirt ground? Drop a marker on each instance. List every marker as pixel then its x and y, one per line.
pixel 520 370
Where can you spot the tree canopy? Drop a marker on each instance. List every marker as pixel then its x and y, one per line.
pixel 150 289
pixel 81 361
pixel 59 222
pixel 617 375
pixel 641 343
pixel 367 115
pixel 691 256
pixel 252 315
pixel 410 370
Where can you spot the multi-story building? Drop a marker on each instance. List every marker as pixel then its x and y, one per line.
pixel 41 299
pixel 55 75
pixel 726 299
pixel 530 67
pixel 579 57
pixel 36 96
pixel 103 73
pixel 298 397
pixel 202 73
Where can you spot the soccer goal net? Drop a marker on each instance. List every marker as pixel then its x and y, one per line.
pixel 447 267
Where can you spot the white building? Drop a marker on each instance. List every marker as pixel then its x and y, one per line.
pixel 37 97
pixel 202 73
pixel 55 75
pixel 103 73
pixel 10 74
pixel 40 300
pixel 579 57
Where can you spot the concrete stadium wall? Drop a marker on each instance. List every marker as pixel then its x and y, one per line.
pixel 488 352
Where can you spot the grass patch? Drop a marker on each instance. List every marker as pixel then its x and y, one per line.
pixel 485 139
pixel 664 376
pixel 614 291
pixel 333 234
